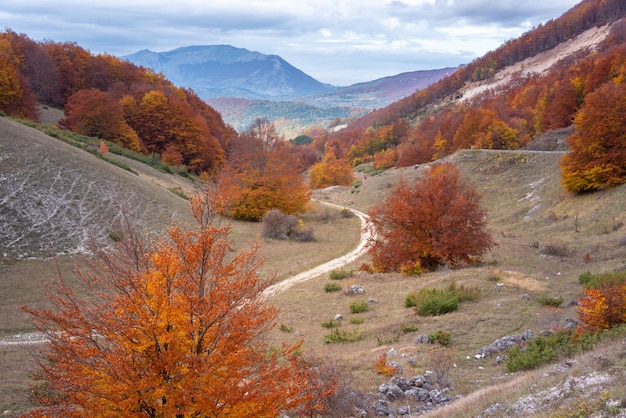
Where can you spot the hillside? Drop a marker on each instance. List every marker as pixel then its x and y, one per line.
pixel 539 252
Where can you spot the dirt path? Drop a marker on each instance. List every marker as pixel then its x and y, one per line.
pixel 367 233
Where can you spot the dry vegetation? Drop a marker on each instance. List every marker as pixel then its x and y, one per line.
pixel 543 236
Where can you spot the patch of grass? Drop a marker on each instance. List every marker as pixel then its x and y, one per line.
pixel 340 274
pixel 359 307
pixel 433 302
pixel 388 339
pixel 331 323
pixel 440 337
pixel 356 320
pixel 342 336
pixel 332 287
pixel 463 293
pixel 546 300
pixel 178 192
pixel 408 328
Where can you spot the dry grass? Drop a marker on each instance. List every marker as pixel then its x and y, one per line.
pixel 526 209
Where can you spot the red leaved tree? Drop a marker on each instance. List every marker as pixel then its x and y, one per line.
pixel 171 331
pixel 434 221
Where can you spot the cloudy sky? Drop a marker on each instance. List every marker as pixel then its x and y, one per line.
pixel 340 42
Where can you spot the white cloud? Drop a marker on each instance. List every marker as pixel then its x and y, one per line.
pixel 336 41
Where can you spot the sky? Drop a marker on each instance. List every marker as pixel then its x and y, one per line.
pixel 340 42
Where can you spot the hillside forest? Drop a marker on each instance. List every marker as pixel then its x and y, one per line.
pixel 114 100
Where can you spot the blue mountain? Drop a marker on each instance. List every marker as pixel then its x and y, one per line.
pixel 226 71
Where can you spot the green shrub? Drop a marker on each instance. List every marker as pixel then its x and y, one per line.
pixel 410 300
pixel 432 302
pixel 440 337
pixel 331 324
pixel 342 336
pixel 596 281
pixel 550 300
pixel 355 320
pixel 408 328
pixel 544 350
pixel 331 287
pixel 359 307
pixel 537 353
pixel 340 274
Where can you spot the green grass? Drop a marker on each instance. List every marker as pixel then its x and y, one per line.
pixel 342 336
pixel 359 307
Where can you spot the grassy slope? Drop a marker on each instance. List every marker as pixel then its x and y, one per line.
pixel 53 196
pixel 527 210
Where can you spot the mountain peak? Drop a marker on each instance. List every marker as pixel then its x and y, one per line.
pixel 225 70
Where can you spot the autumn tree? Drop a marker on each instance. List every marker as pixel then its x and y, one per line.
pixel 597 157
pixel 435 221
pixel 261 174
pixel 171 331
pixel 330 172
pixel 603 304
pixel 16 98
pixel 93 112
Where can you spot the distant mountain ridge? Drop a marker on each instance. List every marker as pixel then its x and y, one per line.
pixel 244 85
pixel 226 71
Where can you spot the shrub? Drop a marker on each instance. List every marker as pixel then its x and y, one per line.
pixel 359 307
pixel 440 337
pixel 408 328
pixel 340 274
pixel 382 367
pixel 331 287
pixel 435 302
pixel 343 336
pixel 357 320
pixel 550 300
pixel 331 324
pixel 540 351
pixel 410 300
pixel 278 225
pixel 300 234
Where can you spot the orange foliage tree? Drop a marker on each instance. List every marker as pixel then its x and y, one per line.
pixel 330 172
pixel 174 330
pixel 92 112
pixel 597 157
pixel 434 221
pixel 603 304
pixel 261 174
